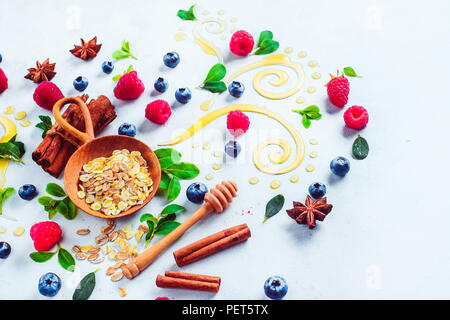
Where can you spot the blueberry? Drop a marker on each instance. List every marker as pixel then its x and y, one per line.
pixel 1 58
pixel 107 67
pixel 232 148
pixel 27 192
pixel 340 166
pixel 80 83
pixel 161 85
pixel 171 59
pixel 275 287
pixel 196 192
pixel 183 95
pixel 317 190
pixel 5 250
pixel 49 284
pixel 236 89
pixel 127 129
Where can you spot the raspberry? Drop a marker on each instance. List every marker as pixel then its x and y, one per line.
pixel 3 81
pixel 129 87
pixel 45 235
pixel 356 117
pixel 237 123
pixel 338 89
pixel 158 111
pixel 241 43
pixel 46 94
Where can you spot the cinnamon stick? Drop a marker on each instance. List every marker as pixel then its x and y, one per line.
pixel 211 244
pixel 190 281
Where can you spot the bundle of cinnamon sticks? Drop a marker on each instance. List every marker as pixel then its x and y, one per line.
pixel 56 148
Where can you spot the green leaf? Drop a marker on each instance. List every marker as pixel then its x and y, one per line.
pixel 306 121
pixel 85 288
pixel 267 46
pixel 41 256
pixel 174 189
pixel 187 14
pixel 309 113
pixel 265 35
pixel 168 217
pixel 151 227
pixel 165 180
pixel 55 190
pixel 72 209
pixel 46 120
pixel 360 148
pixel 117 77
pixel 66 260
pixel 183 170
pixel 349 72
pixel 145 217
pixel 214 86
pixel 124 52
pixel 166 227
pixel 11 151
pixel 172 208
pixel 7 192
pixel 312 108
pixel 167 157
pixel 45 124
pixel 217 72
pixel 51 213
pixel 47 201
pixel 274 206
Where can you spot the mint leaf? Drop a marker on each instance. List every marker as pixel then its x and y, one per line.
pixel 172 208
pixel 265 35
pixel 166 227
pixel 214 86
pixel 66 260
pixel 274 206
pixel 217 72
pixel 124 52
pixel 187 14
pixel 167 157
pixel 306 121
pixel 309 113
pixel 85 288
pixel 360 148
pixel 174 189
pixel 41 256
pixel 349 72
pixel 117 77
pixel 55 190
pixel 183 170
pixel 267 46
pixel 45 124
pixel 165 180
pixel 4 194
pixel 145 217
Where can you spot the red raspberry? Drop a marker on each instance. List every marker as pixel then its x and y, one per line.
pixel 338 89
pixel 356 117
pixel 46 94
pixel 3 81
pixel 45 235
pixel 241 43
pixel 237 123
pixel 158 111
pixel 129 87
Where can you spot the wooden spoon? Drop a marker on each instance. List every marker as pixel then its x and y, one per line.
pixel 100 147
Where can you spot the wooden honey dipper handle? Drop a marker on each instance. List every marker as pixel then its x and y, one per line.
pixel 217 199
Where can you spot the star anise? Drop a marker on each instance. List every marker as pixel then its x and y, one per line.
pixel 87 50
pixel 42 72
pixel 310 211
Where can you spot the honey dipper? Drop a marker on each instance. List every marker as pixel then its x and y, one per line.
pixel 217 199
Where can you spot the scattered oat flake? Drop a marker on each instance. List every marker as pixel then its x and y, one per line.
pixel 83 232
pixel 110 271
pixel 117 276
pixel 123 292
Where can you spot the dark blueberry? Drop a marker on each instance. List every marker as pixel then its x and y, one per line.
pixel 317 190
pixel 171 59
pixel 5 250
pixel 340 166
pixel 275 287
pixel 161 85
pixel 80 83
pixel 49 284
pixel 183 95
pixel 27 192
pixel 236 89
pixel 196 192
pixel 107 67
pixel 232 148
pixel 127 129
pixel 1 58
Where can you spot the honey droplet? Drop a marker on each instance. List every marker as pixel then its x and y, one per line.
pixel 302 54
pixel 233 19
pixel 300 100
pixel 275 184
pixel 309 168
pixel 2 229
pixel 20 115
pixel 253 180
pixel 217 166
pixel 294 179
pixel 314 142
pixel 25 123
pixel 288 50
pixel 206 146
pixel 316 75
pixel 209 176
pixel 205 13
pixel 19 231
pixel 311 90
pixel 221 12
pixel 313 155
pixel 217 154
pixel 180 36
pixel 10 110
pixel 194 145
pixel 313 64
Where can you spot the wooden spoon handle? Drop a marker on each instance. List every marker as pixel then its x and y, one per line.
pixel 83 137
pixel 217 199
